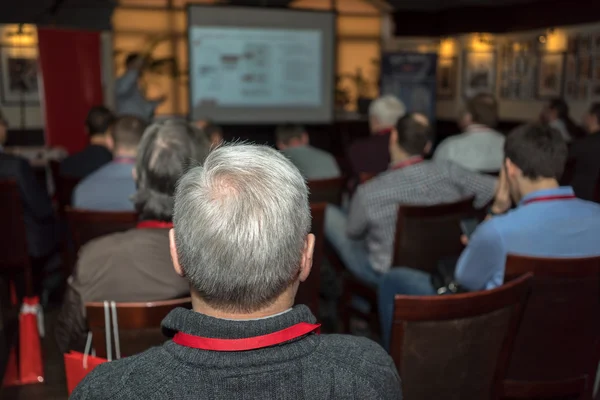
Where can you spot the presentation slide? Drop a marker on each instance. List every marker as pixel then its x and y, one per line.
pixel 263 68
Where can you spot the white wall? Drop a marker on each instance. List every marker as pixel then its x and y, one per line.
pixel 456 45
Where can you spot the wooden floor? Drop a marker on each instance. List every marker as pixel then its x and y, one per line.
pixel 55 386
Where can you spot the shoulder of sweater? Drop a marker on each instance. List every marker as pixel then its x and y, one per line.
pixel 349 349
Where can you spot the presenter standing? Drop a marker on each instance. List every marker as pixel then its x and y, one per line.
pixel 131 100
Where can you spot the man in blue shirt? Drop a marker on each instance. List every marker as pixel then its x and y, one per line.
pixel 110 187
pixel 549 221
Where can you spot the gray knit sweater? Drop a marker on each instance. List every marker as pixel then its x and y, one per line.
pixel 312 367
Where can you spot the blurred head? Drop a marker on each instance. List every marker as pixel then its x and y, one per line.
pixel 3 129
pixel 287 136
pixel 214 133
pixel 134 61
pixel 242 224
pixel 533 153
pixel 464 119
pixel 203 123
pixel 555 109
pixel 592 119
pixel 385 112
pixel 166 151
pixel 98 122
pixel 411 137
pixel 483 110
pixel 126 134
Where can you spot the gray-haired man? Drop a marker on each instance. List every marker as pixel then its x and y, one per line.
pixel 242 239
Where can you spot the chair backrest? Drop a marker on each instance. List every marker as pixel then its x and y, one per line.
pixel 426 234
pixel 308 292
pixel 86 225
pixel 327 190
pixel 138 324
pixel 63 186
pixel 13 237
pixel 457 346
pixel 559 337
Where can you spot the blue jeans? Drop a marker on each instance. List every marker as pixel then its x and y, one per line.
pixel 353 253
pixel 399 281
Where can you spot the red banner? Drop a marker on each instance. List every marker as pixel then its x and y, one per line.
pixel 71 70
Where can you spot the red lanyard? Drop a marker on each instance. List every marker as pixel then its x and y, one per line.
pixel 406 163
pixel 153 224
pixel 252 343
pixel 550 198
pixel 383 132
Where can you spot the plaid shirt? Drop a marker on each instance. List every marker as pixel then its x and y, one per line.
pixel 374 207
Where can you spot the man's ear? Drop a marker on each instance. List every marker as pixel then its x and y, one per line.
pixel 512 171
pixel 393 138
pixel 427 148
pixel 307 257
pixel 174 256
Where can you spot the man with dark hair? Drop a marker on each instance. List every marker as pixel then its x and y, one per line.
pixel 313 163
pixel 549 221
pixel 364 239
pixel 97 153
pixel 556 115
pixel 479 148
pixel 131 99
pixel 110 187
pixel 136 265
pixel 585 152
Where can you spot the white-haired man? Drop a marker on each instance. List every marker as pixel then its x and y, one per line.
pixel 371 154
pixel 241 238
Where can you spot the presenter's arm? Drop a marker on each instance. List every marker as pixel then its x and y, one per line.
pixel 127 82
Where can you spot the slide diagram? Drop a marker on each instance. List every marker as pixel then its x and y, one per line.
pixel 249 67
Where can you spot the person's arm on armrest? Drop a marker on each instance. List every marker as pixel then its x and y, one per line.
pixel 357 217
pixel 483 259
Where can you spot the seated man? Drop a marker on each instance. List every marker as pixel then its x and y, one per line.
pixel 371 155
pixel 586 154
pixel 313 163
pixel 135 265
pixel 364 239
pixel 97 153
pixel 479 148
pixel 111 187
pixel 548 221
pixel 241 238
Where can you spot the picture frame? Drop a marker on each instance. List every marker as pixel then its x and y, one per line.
pixel 19 76
pixel 447 72
pixel 550 82
pixel 479 73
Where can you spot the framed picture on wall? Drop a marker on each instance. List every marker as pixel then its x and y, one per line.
pixel 550 75
pixel 19 75
pixel 446 78
pixel 479 73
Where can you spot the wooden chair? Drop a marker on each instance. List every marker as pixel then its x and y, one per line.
pixel 424 235
pixel 557 349
pixel 63 187
pixel 457 346
pixel 308 292
pixel 327 190
pixel 14 255
pixel 138 324
pixel 86 225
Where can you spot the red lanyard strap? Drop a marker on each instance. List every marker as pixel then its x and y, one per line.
pixel 550 198
pixel 406 163
pixel 252 343
pixel 152 224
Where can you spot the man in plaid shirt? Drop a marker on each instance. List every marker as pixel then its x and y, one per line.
pixel 364 238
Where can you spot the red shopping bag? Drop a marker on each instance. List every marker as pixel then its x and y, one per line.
pixel 77 366
pixel 31 367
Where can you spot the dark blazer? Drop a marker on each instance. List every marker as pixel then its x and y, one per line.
pixel 40 222
pixel 586 153
pixel 86 161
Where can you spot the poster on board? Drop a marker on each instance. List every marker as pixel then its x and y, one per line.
pixel 412 78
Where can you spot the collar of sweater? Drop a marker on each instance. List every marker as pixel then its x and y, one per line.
pixel 194 323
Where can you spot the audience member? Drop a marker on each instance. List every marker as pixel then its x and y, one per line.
pixel 364 238
pixel 135 265
pixel 479 148
pixel 548 221
pixel 585 153
pixel 313 163
pixel 40 221
pixel 98 152
pixel 370 155
pixel 111 186
pixel 131 99
pixel 556 114
pixel 242 239
pixel 214 134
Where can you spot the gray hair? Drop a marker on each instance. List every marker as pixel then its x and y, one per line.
pixel 388 110
pixel 241 222
pixel 166 151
